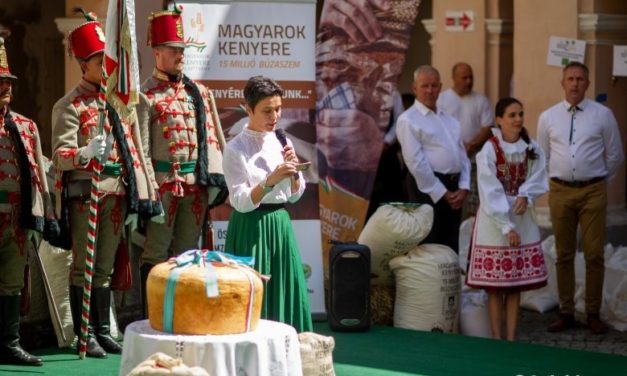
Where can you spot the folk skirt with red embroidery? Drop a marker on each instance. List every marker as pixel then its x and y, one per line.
pixel 493 264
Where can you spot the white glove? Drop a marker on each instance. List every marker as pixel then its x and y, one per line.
pixel 159 219
pixel 131 221
pixel 95 148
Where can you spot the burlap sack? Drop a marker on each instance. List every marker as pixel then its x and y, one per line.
pixel 162 364
pixel 427 289
pixel 316 354
pixel 393 230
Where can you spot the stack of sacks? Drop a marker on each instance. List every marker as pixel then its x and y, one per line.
pixel 391 231
pixel 427 289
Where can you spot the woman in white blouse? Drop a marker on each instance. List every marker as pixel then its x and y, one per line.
pixel 260 168
pixel 506 255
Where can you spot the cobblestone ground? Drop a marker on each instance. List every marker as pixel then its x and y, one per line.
pixel 532 329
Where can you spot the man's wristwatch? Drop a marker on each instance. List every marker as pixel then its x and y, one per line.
pixel 265 187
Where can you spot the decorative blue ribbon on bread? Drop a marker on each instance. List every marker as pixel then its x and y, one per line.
pixel 204 259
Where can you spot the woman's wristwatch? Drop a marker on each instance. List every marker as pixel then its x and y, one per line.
pixel 265 187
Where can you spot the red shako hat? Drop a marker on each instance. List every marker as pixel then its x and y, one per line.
pixel 88 38
pixel 166 28
pixel 4 63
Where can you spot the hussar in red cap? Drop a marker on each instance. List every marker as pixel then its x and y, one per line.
pixel 183 144
pixel 25 207
pixel 127 187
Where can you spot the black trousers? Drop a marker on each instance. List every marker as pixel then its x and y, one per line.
pixel 446 220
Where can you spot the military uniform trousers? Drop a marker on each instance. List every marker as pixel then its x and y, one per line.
pixel 13 254
pixel 184 218
pixel 111 216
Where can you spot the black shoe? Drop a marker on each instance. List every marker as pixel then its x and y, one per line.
pixel 101 304
pixel 10 350
pixel 93 348
pixel 109 344
pixel 18 356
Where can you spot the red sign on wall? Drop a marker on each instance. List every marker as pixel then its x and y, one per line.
pixel 460 20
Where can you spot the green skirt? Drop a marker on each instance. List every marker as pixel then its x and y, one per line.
pixel 267 235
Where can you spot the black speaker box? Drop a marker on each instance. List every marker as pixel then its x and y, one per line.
pixel 349 287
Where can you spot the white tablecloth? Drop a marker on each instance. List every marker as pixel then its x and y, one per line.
pixel 271 350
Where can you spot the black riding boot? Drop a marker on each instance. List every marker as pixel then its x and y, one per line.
pixel 144 270
pixel 101 299
pixel 76 303
pixel 10 350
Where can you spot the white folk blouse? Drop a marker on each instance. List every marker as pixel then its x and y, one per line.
pixel 494 202
pixel 248 158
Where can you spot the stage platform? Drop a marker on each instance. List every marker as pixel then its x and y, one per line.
pixel 386 351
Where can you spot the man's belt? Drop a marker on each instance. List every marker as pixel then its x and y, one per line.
pixel 182 167
pixel 448 178
pixel 578 183
pixel 7 197
pixel 112 169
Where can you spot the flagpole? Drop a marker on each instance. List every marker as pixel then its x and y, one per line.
pixel 119 87
pixel 92 223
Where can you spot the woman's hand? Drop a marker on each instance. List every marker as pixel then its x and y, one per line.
pixel 513 238
pixel 282 171
pixel 289 155
pixel 520 205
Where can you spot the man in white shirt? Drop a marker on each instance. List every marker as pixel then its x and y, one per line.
pixel 434 154
pixel 474 113
pixel 583 148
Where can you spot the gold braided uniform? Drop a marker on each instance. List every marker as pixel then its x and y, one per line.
pixel 174 150
pixel 74 124
pixel 13 236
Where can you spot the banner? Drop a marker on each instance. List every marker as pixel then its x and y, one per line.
pixel 233 41
pixel 237 40
pixel 359 57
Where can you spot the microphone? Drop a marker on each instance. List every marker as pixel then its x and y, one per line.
pixel 280 135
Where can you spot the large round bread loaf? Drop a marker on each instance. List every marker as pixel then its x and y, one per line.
pixel 194 312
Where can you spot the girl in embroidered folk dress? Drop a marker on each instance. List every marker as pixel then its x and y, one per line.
pixel 261 175
pixel 506 256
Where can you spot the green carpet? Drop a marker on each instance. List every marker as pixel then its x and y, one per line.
pixel 65 362
pixel 385 351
